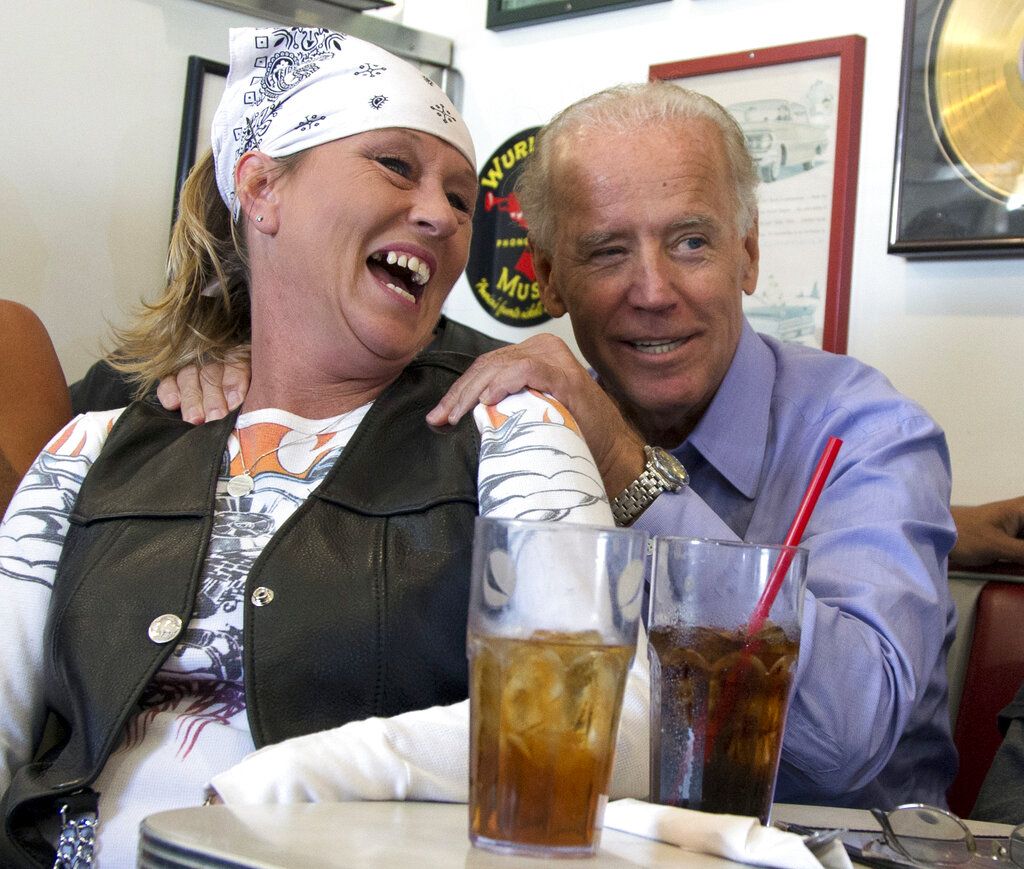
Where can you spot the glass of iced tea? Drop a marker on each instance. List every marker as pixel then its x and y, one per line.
pixel 719 694
pixel 553 619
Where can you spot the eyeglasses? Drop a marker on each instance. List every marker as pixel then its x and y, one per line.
pixel 930 836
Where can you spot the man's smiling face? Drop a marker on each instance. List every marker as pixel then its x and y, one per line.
pixel 649 263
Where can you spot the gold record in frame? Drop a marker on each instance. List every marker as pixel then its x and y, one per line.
pixel 975 94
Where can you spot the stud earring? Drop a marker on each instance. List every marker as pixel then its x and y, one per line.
pixel 259 219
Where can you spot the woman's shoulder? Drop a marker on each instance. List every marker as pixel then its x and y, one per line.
pixel 34 528
pixel 84 436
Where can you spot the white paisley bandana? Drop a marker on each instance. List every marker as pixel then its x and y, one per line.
pixel 290 88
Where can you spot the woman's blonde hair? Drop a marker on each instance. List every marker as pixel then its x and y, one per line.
pixel 186 326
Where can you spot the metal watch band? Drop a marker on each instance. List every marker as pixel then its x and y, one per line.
pixel 640 494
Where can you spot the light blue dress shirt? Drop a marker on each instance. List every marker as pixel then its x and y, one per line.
pixel 869 722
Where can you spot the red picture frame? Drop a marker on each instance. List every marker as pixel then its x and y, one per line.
pixel 708 74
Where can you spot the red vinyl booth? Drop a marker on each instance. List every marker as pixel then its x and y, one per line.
pixel 995 670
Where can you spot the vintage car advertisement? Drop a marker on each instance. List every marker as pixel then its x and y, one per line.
pixel 782 135
pixel 788 116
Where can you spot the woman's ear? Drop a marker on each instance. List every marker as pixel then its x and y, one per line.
pixel 256 179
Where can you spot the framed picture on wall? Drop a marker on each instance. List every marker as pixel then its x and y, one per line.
pixel 799 107
pixel 503 14
pixel 958 179
pixel 204 86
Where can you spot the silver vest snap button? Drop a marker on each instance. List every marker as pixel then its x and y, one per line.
pixel 164 628
pixel 262 596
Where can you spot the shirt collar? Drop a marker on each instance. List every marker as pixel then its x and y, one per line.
pixel 733 433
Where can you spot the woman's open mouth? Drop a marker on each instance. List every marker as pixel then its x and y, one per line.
pixel 404 273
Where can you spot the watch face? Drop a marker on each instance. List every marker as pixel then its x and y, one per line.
pixel 669 466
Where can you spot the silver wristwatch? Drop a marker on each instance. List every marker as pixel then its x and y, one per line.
pixel 662 473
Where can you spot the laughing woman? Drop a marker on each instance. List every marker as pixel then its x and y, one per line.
pixel 175 596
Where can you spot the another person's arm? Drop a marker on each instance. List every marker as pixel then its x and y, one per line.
pixel 544 362
pixel 34 401
pixel 9 479
pixel 989 533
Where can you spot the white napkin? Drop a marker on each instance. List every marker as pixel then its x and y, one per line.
pixel 420 755
pixel 733 837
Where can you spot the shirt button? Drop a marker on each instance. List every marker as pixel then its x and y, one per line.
pixel 262 596
pixel 164 628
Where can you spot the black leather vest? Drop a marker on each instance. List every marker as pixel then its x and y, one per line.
pixel 370 579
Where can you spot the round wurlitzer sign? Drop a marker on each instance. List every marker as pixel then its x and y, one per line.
pixel 500 268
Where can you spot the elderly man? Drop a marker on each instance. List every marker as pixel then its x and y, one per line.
pixel 643 218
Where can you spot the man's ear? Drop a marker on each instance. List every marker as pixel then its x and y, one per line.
pixel 752 248
pixel 256 177
pixel 546 283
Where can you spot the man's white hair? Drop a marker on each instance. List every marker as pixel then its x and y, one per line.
pixel 622 109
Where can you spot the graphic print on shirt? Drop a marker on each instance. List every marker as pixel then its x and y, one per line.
pixel 33 539
pixel 200 701
pixel 534 463
pixel 202 680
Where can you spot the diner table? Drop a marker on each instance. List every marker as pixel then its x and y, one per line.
pixel 388 835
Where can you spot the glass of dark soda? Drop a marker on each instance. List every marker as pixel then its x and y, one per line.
pixel 719 690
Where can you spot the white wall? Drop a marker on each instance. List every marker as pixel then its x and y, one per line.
pixel 93 105
pixel 92 110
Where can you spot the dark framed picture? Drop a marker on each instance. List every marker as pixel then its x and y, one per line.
pixel 502 14
pixel 799 107
pixel 204 86
pixel 958 187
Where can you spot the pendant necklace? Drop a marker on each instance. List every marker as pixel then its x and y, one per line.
pixel 243 483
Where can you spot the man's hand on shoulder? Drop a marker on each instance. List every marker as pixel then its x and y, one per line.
pixel 207 393
pixel 544 362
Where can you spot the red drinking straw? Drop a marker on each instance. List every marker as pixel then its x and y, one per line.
pixel 771 590
pixel 796 532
